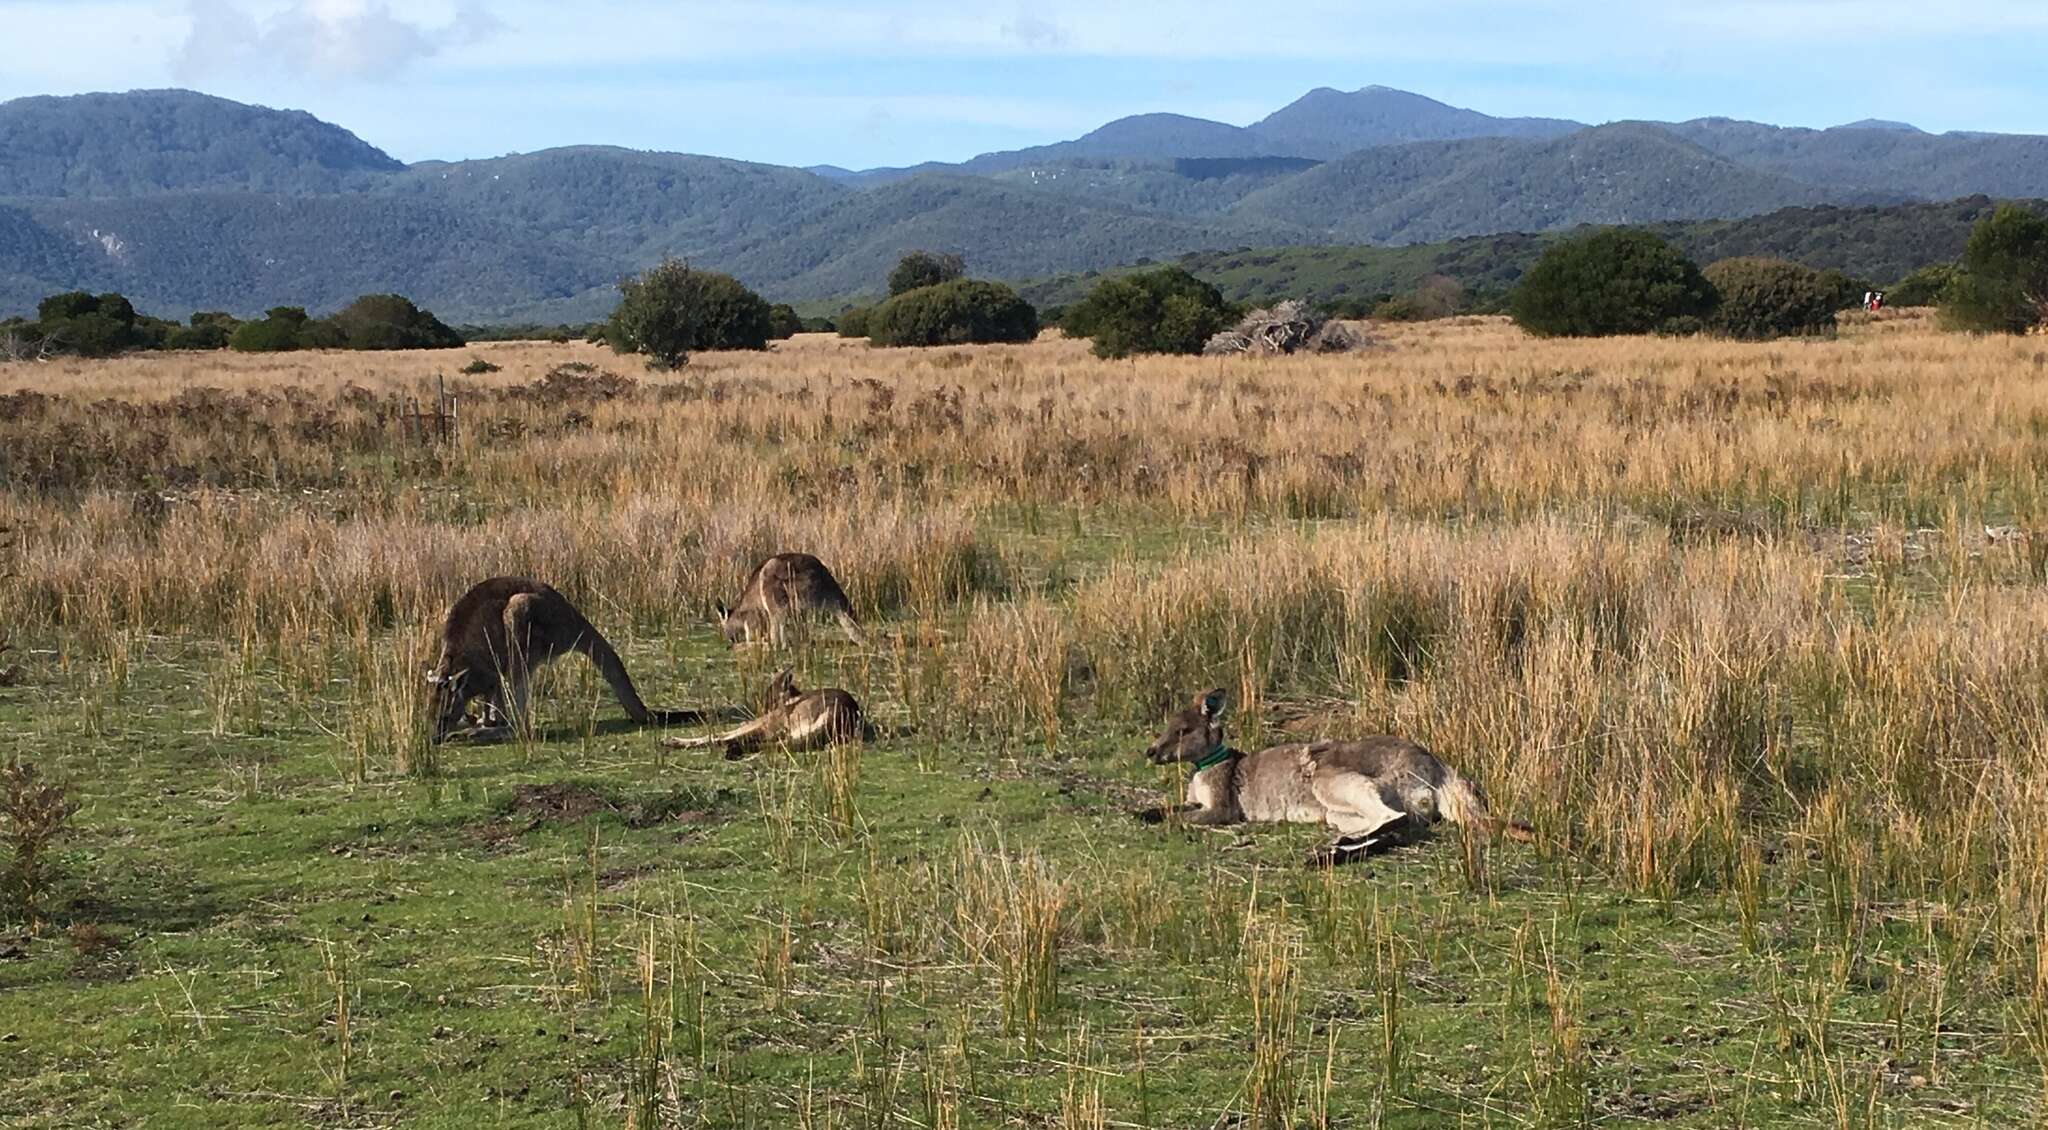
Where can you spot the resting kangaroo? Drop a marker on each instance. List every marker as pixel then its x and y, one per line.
pixel 793 718
pixel 1370 791
pixel 784 585
pixel 493 639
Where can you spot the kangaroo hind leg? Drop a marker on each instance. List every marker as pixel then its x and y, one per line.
pixel 523 649
pixel 1356 809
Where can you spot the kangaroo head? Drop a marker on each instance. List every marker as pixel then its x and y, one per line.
pixel 448 695
pixel 1194 733
pixel 731 623
pixel 782 690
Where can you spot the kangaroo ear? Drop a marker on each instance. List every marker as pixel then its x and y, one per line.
pixel 1212 703
pixel 719 610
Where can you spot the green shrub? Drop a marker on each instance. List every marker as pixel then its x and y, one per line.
pixel 673 310
pixel 1924 287
pixel 921 269
pixel 1438 296
pixel 89 325
pixel 1618 281
pixel 784 322
pixel 961 312
pixel 1767 298
pixel 197 338
pixel 1166 310
pixel 281 330
pixel 388 321
pixel 208 329
pixel 1848 289
pixel 1401 308
pixel 2003 284
pixel 853 322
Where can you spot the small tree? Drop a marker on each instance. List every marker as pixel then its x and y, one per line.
pixel 390 321
pixel 961 312
pixel 2003 284
pixel 853 321
pixel 281 330
pixel 784 322
pixel 1438 296
pixel 1767 298
pixel 89 325
pixel 674 309
pixel 924 268
pixel 1848 289
pixel 210 329
pixel 1618 281
pixel 1924 287
pixel 1166 310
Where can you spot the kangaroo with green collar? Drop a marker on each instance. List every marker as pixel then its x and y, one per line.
pixel 1374 792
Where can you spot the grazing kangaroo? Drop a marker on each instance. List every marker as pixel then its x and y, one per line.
pixel 784 585
pixel 793 718
pixel 1373 792
pixel 493 639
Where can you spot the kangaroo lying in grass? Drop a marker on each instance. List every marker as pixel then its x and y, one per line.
pixel 495 637
pixel 786 585
pixel 1374 792
pixel 793 718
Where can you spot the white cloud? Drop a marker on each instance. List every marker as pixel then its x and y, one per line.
pixel 327 39
pixel 1035 31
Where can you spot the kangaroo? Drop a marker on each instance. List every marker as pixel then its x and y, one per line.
pixel 493 639
pixel 784 585
pixel 1373 792
pixel 793 718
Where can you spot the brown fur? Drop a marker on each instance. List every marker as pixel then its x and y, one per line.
pixel 793 718
pixel 1373 791
pixel 786 585
pixel 494 638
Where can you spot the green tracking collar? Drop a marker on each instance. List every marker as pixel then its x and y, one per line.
pixel 1214 756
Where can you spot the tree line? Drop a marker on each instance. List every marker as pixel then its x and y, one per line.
pixel 79 324
pixel 1612 281
pixel 1626 280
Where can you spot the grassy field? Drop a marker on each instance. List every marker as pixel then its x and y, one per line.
pixel 1751 634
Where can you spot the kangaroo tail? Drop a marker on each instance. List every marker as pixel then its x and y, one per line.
pixel 613 669
pixel 741 738
pixel 677 717
pixel 1461 802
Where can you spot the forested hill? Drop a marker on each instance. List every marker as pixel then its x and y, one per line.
pixel 185 201
pixel 1878 244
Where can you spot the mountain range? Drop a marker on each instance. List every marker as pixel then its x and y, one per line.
pixel 185 201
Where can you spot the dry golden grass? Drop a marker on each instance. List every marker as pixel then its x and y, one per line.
pixel 1714 617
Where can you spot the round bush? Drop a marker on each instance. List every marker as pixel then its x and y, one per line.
pixel 921 269
pixel 1767 298
pixel 281 330
pixel 1161 311
pixel 674 310
pixel 390 321
pixel 961 312
pixel 1923 287
pixel 1619 281
pixel 2003 284
pixel 783 322
pixel 853 322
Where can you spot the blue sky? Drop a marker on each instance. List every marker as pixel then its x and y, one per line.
pixel 859 84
